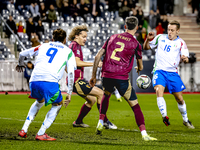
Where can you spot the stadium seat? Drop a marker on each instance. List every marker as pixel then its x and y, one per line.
pixel 90 57
pixel 104 26
pixel 11 8
pixel 109 20
pixel 89 20
pixel 6 52
pixel 107 14
pixel 26 14
pixel 90 45
pixel 46 26
pixel 79 20
pixel 28 44
pixel 95 39
pixel 86 51
pixel 19 18
pixel 54 26
pixel 64 26
pixel 100 33
pixel 23 38
pixel 19 47
pixel 99 20
pixel 11 57
pixel 91 33
pixel 2 57
pixel 60 20
pixel 2 46
pixel 119 31
pixel 5 12
pixel 94 26
pixel 69 20
pixel 5 17
pixel 114 27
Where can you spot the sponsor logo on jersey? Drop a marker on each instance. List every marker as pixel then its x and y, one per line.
pixel 78 52
pixel 163 40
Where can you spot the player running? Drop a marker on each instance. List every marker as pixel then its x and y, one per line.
pixel 170 50
pixel 52 59
pixel 78 37
pixel 119 51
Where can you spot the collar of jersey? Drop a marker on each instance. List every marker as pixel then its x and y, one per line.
pixel 175 39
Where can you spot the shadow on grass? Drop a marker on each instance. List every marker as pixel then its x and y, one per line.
pixel 115 144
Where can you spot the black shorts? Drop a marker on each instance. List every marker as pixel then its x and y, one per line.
pixel 82 88
pixel 123 86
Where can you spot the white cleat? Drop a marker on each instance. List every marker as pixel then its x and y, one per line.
pixel 188 125
pixel 109 125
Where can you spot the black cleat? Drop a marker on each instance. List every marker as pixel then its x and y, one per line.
pixel 166 120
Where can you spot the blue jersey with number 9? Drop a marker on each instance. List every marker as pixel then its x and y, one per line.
pixel 52 58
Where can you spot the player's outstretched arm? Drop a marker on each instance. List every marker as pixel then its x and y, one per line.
pixel 23 54
pixel 95 66
pixel 81 63
pixel 150 36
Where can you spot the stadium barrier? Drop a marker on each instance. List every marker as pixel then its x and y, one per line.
pixel 11 80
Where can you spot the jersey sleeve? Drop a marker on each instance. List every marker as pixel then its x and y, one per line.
pixel 184 49
pixel 71 66
pixel 27 53
pixel 154 43
pixel 76 50
pixel 139 52
pixel 30 52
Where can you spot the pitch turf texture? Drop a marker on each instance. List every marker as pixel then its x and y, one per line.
pixel 14 109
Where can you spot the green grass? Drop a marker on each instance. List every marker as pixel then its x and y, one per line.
pixel 14 109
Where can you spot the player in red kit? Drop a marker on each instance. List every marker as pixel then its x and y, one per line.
pixel 119 51
pixel 78 37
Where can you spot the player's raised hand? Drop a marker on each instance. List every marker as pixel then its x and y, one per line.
pixel 20 68
pixel 150 35
pixel 67 100
pixel 92 82
pixel 184 59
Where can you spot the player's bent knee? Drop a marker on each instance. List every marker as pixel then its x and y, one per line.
pixel 133 102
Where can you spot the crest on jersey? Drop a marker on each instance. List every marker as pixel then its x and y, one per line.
pixel 78 52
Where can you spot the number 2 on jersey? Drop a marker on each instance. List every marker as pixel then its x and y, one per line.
pixel 117 50
pixel 51 53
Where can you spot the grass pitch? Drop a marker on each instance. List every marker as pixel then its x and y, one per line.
pixel 14 109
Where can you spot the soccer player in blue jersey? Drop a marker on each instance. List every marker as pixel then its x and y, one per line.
pixel 170 50
pixel 53 59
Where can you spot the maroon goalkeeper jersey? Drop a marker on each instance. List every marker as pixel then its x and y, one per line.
pixel 119 56
pixel 76 48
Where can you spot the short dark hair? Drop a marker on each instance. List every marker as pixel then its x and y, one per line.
pixel 59 35
pixel 76 31
pixel 131 22
pixel 174 22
